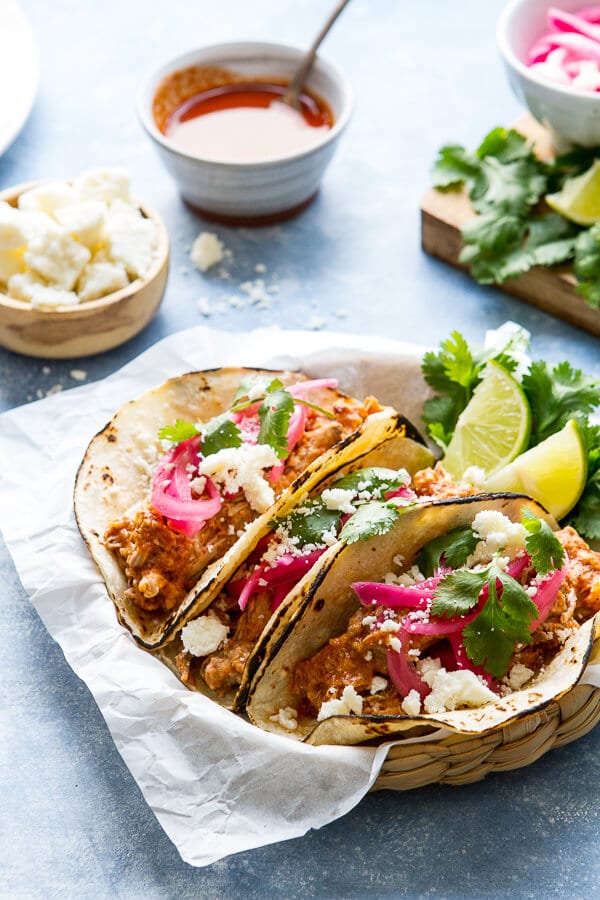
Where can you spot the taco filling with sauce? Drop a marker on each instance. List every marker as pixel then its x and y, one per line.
pixel 219 476
pixel 480 612
pixel 216 646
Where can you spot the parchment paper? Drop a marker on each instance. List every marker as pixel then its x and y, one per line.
pixel 216 784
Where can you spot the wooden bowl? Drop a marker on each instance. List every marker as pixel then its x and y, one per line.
pixel 93 326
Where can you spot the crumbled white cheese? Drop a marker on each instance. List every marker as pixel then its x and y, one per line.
pixel 207 251
pixel 236 468
pixel 83 221
pixel 131 240
pixel 475 475
pixel 339 499
pixel 12 235
pixel 411 704
pixel 107 184
pixel 12 262
pixel 47 198
pixel 518 675
pixel 497 532
pixel 101 278
pixel 203 635
pixel 48 296
pixel 390 625
pixel 86 237
pixel 451 690
pixel 378 684
pixel 287 717
pixel 349 702
pixel 78 374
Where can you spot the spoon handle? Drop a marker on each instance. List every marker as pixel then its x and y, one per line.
pixel 297 82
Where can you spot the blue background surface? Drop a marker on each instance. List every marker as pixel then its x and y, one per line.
pixel 74 823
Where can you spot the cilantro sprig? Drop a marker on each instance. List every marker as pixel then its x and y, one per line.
pixel 372 514
pixel 512 232
pixel 506 616
pixel 275 408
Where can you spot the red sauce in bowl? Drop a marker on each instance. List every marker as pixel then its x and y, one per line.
pixel 246 122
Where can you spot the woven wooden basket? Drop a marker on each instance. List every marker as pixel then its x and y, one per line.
pixel 463 758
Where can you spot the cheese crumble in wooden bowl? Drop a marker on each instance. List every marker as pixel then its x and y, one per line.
pixel 82 267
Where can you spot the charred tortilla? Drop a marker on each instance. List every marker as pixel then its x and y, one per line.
pixel 115 478
pixel 325 603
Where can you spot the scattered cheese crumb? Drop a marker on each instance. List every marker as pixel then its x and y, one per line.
pixel 78 374
pixel 339 499
pixel 242 468
pixel 316 323
pixel 378 684
pixel 207 251
pixel 450 690
pixel 204 306
pixel 518 676
pixel 287 717
pixel 203 635
pixel 349 702
pixel 411 704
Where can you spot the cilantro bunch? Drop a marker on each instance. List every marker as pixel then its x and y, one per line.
pixel 506 616
pixel 506 183
pixel 555 395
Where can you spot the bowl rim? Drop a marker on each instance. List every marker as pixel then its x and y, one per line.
pixel 187 59
pixel 511 58
pixel 87 307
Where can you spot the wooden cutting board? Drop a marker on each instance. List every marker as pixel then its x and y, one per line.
pixel 550 289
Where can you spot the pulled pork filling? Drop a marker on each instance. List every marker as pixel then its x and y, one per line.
pixel 222 670
pixel 358 657
pixel 162 564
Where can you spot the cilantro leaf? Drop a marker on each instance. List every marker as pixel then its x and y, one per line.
pixel 557 395
pixel 505 144
pixel 310 522
pixel 587 264
pixel 586 515
pixel 178 432
pixel 220 433
pixel 491 637
pixel 451 549
pixel 458 593
pixel 546 551
pixel 274 414
pixel 369 520
pixel 453 167
pixel 375 481
pixel 254 387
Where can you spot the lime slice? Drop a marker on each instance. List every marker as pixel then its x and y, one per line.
pixel 493 428
pixel 554 472
pixel 579 199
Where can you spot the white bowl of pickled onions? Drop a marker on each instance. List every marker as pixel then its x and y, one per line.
pixel 552 57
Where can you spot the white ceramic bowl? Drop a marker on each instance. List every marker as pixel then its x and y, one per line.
pixel 571 116
pixel 251 192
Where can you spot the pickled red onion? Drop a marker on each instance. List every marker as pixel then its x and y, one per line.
pixel 403 673
pixel 570 53
pixel 281 576
pixel 172 492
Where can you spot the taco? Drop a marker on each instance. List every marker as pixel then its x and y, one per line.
pixel 219 651
pixel 468 613
pixel 182 483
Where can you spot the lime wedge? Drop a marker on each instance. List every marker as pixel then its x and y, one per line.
pixel 579 199
pixel 554 472
pixel 493 429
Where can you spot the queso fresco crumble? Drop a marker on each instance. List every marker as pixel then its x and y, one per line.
pixel 70 242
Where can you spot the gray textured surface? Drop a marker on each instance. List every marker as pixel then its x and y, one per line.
pixel 74 823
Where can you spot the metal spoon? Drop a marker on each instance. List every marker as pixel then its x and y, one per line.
pixel 292 95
